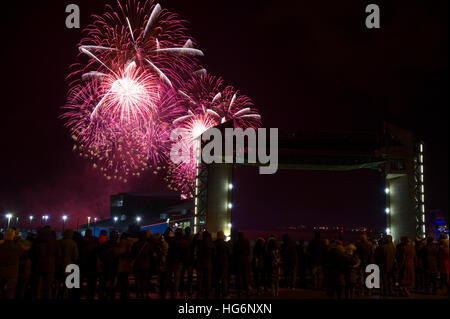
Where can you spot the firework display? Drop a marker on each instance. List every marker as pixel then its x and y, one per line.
pixel 138 78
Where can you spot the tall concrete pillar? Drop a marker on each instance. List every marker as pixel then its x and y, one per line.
pixel 218 201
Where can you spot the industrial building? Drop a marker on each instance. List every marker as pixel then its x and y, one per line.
pixel 134 211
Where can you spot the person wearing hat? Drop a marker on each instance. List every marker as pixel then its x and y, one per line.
pixel 351 271
pixel 387 265
pixel 431 265
pixel 407 260
pixel 10 252
pixel 364 251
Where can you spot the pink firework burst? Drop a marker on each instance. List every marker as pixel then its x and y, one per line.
pixel 118 150
pixel 145 33
pixel 207 102
pixel 206 94
pixel 121 105
pixel 129 96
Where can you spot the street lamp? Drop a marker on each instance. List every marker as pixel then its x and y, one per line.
pixel 64 221
pixel 89 220
pixel 45 218
pixel 116 219
pixel 138 219
pixel 30 218
pixel 9 216
pixel 95 224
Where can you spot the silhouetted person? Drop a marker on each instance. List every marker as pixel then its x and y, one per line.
pixel 406 259
pixel 10 253
pixel 387 265
pixel 258 266
pixel 351 270
pixel 290 260
pixel 124 266
pixel 364 251
pixel 188 267
pixel 154 260
pixel 443 264
pixel 273 265
pixel 421 261
pixel 88 261
pixel 431 265
pixel 25 268
pixel 163 249
pixel 302 263
pixel 44 256
pixel 176 259
pixel 205 256
pixel 337 264
pixel 109 258
pixel 221 265
pixel 141 253
pixel 242 257
pixel 316 253
pixel 68 255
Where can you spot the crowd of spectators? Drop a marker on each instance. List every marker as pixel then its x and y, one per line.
pixel 181 264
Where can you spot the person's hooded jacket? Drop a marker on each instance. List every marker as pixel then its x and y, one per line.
pixel 10 252
pixel 69 250
pixel 44 252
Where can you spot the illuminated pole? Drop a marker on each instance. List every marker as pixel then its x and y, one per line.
pixel 30 218
pixel 197 170
pixel 89 221
pixel 95 224
pixel 422 191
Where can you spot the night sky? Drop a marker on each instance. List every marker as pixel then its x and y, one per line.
pixel 308 66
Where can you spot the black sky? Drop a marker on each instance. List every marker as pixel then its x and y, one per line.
pixel 308 65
